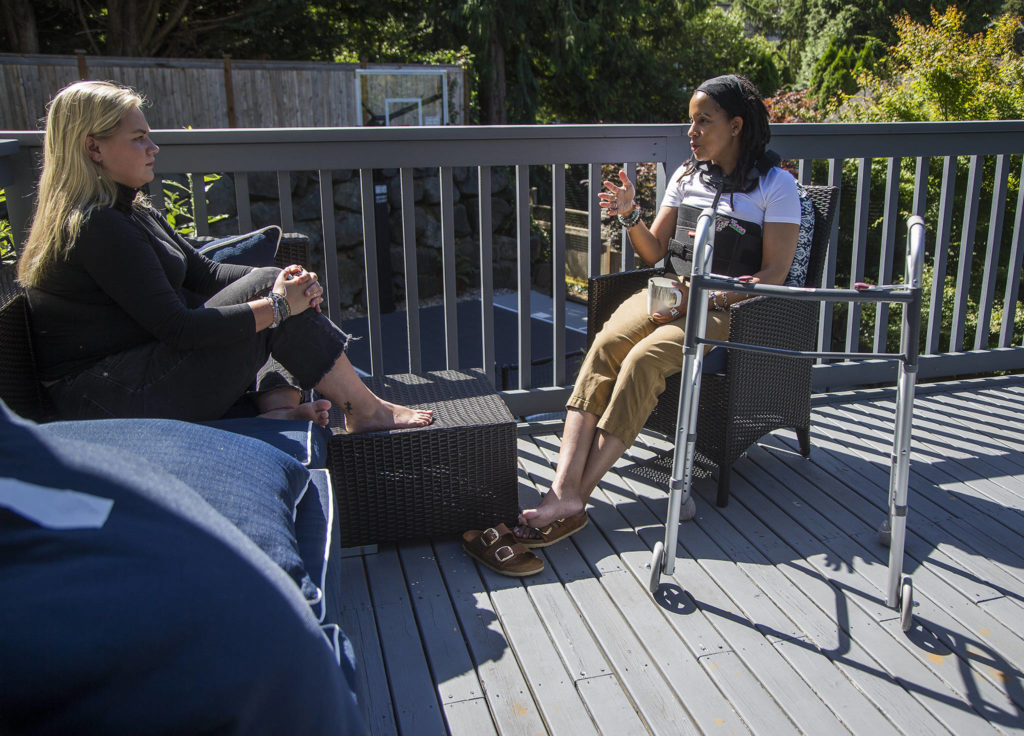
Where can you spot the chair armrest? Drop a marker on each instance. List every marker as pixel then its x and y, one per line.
pixel 605 293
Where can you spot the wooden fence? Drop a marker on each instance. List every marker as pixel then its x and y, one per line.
pixel 209 93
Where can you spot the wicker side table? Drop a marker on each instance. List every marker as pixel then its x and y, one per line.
pixel 457 474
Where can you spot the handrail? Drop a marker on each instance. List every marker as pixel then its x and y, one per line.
pixel 936 150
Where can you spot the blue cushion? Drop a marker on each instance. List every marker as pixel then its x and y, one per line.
pixel 304 441
pixel 165 619
pixel 318 534
pixel 257 248
pixel 715 361
pixel 255 486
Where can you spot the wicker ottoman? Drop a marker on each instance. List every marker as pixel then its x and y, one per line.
pixel 457 474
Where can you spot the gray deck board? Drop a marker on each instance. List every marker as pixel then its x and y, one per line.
pixel 775 619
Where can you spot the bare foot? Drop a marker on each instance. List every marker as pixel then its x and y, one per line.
pixel 551 508
pixel 388 416
pixel 311 411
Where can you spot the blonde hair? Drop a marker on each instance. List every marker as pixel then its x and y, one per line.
pixel 71 184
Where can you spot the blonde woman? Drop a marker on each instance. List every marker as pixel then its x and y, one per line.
pixel 129 320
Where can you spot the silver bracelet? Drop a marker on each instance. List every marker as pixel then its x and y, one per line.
pixel 714 301
pixel 632 218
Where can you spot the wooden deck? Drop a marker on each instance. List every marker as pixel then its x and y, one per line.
pixel 775 621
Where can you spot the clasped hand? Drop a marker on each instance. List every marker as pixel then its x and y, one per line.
pixel 300 287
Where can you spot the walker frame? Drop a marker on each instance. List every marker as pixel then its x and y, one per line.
pixel 900 589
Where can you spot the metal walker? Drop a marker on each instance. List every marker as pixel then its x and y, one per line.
pixel 900 589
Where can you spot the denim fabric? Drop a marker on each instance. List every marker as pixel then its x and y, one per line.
pixel 255 249
pixel 304 441
pixel 254 486
pixel 158 380
pixel 167 620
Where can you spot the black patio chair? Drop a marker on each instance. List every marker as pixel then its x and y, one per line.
pixel 755 393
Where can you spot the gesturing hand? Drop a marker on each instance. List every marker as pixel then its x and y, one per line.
pixel 618 200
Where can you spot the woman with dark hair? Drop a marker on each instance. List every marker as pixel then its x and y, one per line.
pixel 129 320
pixel 758 221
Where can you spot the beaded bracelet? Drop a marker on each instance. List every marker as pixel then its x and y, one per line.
pixel 714 301
pixel 631 219
pixel 281 310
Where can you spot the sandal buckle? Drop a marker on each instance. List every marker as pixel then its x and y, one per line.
pixel 508 552
pixel 490 536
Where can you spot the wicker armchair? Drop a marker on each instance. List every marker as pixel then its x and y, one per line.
pixel 754 394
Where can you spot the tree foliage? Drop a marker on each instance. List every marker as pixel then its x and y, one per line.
pixel 941 71
pixel 837 72
pixel 569 61
pixel 279 29
pixel 807 28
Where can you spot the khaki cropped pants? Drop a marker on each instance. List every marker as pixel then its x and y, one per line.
pixel 625 369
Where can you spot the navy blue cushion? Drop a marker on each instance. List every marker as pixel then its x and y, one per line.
pixel 166 619
pixel 715 360
pixel 252 484
pixel 305 441
pixel 257 248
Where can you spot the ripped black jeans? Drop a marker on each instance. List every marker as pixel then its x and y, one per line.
pixel 158 380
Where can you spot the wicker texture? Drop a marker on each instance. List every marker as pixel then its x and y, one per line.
pixel 457 474
pixel 293 248
pixel 757 393
pixel 19 386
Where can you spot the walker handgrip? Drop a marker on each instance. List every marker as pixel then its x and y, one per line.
pixel 744 279
pixel 862 286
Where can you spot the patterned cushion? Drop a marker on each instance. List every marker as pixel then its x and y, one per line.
pixel 798 271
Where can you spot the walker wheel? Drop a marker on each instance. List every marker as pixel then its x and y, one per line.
pixel 885 533
pixel 907 605
pixel 657 557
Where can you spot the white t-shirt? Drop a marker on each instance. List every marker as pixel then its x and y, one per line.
pixel 774 199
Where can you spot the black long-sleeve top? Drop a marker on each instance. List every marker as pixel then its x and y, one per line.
pixel 129 279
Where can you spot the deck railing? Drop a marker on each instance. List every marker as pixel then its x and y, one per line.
pixel 918 171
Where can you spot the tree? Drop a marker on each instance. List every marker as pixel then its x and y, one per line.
pixel 19 26
pixel 282 29
pixel 806 28
pixel 641 62
pixel 943 72
pixel 837 71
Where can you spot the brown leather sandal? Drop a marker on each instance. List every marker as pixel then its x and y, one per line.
pixel 556 531
pixel 497 549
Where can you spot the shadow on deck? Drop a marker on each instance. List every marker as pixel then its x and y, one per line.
pixel 775 620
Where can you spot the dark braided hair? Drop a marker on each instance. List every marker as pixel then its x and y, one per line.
pixel 738 96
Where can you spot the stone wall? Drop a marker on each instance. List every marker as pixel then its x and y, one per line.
pixel 265 210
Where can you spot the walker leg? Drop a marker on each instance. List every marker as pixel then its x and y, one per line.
pixel 656 562
pixel 907 605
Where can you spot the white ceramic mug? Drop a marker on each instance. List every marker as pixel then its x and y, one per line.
pixel 662 295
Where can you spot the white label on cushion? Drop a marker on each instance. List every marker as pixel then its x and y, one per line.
pixel 54 509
